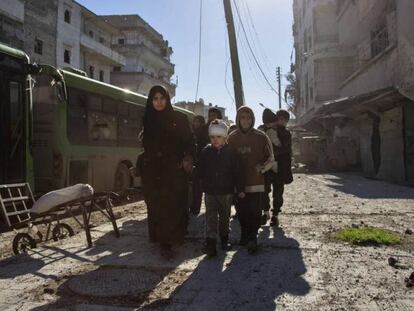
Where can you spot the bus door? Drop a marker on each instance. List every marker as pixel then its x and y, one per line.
pixel 12 128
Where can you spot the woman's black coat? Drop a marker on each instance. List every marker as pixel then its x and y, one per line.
pixel 167 141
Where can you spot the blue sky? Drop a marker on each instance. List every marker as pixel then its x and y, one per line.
pixel 178 22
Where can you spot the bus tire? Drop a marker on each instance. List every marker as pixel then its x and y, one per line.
pixel 123 179
pixel 21 242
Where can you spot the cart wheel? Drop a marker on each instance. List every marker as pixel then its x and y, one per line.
pixel 62 231
pixel 22 242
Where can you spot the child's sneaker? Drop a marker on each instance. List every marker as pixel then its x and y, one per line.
pixel 225 244
pixel 252 247
pixel 274 222
pixel 211 249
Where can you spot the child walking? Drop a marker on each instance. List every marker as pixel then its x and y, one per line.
pixel 220 176
pixel 256 155
pixel 283 157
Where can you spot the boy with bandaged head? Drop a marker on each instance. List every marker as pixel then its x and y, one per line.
pixel 220 176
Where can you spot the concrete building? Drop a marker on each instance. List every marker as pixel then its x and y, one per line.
pixel 40 34
pixel 147 55
pixel 11 23
pixel 122 50
pixel 359 101
pixel 84 41
pixel 200 108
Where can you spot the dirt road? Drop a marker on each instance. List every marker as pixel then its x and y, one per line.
pixel 300 266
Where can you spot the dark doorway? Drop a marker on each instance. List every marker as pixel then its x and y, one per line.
pixel 376 143
pixel 409 140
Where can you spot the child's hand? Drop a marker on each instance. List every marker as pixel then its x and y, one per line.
pixel 242 195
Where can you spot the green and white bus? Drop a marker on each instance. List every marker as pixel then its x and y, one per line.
pixel 87 133
pixel 16 164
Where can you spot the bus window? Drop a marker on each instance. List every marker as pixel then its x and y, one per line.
pixel 102 128
pixel 110 106
pixel 94 103
pixel 130 125
pixel 77 119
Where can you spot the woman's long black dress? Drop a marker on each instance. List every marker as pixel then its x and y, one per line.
pixel 167 140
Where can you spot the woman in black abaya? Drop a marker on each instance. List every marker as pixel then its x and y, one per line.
pixel 168 157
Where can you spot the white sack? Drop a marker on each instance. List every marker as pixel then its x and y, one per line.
pixel 57 197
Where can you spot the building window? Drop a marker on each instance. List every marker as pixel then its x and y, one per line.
pixel 66 56
pixel 68 16
pixel 379 41
pixel 91 72
pixel 101 75
pixel 91 33
pixel 121 41
pixel 101 40
pixel 117 68
pixel 38 46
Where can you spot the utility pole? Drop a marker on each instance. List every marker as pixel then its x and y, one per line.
pixel 234 54
pixel 279 86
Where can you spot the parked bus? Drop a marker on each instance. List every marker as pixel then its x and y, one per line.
pixel 88 134
pixel 16 164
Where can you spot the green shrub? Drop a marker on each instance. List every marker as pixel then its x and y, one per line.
pixel 368 235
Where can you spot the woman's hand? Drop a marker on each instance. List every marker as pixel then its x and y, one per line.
pixel 188 164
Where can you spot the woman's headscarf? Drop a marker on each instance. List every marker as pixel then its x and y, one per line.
pixel 156 121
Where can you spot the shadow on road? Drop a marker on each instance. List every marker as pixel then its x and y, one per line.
pixel 246 282
pixel 365 188
pixel 127 272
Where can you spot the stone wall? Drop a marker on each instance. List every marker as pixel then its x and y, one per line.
pixel 392 146
pixel 40 25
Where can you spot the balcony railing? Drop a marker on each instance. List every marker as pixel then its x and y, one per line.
pixel 103 50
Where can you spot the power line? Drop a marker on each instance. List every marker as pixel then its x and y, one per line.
pixel 199 49
pixel 261 49
pixel 249 61
pixel 252 52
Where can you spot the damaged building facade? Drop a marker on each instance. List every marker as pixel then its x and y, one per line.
pixel 200 108
pixel 355 73
pixel 148 55
pixel 122 50
pixel 11 23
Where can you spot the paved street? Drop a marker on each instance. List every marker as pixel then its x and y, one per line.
pixel 300 266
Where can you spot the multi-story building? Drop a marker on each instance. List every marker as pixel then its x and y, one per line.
pixel 84 41
pixel 123 50
pixel 64 33
pixel 366 117
pixel 11 23
pixel 147 55
pixel 200 108
pixel 40 33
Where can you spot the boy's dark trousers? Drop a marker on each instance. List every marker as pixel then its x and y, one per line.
pixel 197 194
pixel 218 215
pixel 249 212
pixel 277 194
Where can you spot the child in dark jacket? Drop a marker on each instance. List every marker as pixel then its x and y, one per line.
pixel 220 176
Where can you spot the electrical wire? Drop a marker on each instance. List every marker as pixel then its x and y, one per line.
pixel 199 49
pixel 259 44
pixel 252 52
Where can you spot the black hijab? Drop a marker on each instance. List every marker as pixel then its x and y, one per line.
pixel 156 122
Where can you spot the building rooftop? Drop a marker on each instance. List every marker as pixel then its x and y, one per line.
pixel 131 22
